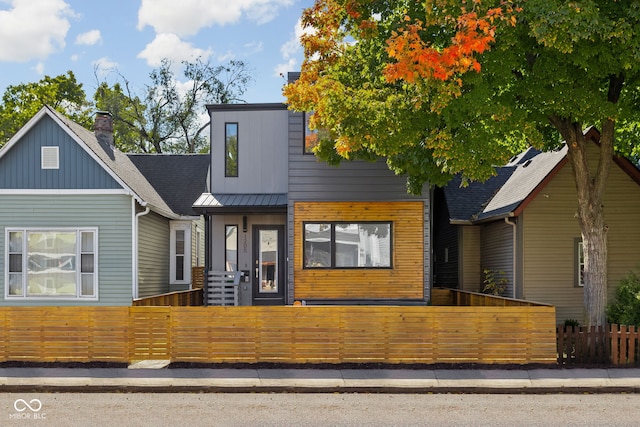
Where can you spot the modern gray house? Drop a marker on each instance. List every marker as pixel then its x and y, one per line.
pixel 301 230
pixel 83 224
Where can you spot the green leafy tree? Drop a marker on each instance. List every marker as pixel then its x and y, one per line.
pixel 447 87
pixel 167 115
pixel 625 309
pixel 21 102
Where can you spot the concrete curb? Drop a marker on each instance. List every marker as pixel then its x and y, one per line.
pixel 320 380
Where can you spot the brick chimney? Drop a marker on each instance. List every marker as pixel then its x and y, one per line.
pixel 103 130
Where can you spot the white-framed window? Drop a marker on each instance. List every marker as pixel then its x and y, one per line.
pixel 50 158
pixel 578 262
pixel 180 253
pixel 58 263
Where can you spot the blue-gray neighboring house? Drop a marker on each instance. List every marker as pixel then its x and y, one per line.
pixel 82 223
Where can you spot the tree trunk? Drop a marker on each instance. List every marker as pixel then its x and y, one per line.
pixel 590 187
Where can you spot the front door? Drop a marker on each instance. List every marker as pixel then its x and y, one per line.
pixel 269 266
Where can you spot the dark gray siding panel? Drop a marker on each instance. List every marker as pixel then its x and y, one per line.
pixel 20 167
pixel 310 179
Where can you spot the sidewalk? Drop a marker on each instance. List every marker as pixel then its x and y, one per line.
pixel 321 380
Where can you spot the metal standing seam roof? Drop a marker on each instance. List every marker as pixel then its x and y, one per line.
pixel 240 202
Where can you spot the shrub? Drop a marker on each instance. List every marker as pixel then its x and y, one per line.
pixel 571 323
pixel 625 309
pixel 494 282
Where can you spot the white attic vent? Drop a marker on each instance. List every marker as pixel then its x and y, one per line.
pixel 50 158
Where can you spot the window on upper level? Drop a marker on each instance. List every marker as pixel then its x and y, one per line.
pixel 51 263
pixel 347 245
pixel 231 149
pixel 310 136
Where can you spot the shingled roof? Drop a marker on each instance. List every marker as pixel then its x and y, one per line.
pixel 179 178
pixel 119 163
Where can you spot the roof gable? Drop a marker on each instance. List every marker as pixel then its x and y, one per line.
pixel 526 175
pixel 21 168
pixel 115 163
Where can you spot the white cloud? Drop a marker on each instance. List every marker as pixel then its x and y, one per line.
pixel 39 68
pixel 164 16
pixel 292 46
pixel 89 38
pixel 170 46
pixel 253 47
pixel 283 69
pixel 33 29
pixel 104 66
pixel 74 57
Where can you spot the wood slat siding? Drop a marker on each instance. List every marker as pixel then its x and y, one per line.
pixel 21 168
pixel 550 228
pixel 111 214
pixel 497 251
pixel 345 334
pixel 404 281
pixel 153 258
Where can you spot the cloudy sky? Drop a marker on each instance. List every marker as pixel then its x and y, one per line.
pixel 98 40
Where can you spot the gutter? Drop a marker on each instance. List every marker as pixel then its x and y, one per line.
pixel 135 243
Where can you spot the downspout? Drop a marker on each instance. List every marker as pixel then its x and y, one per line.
pixel 513 227
pixel 134 289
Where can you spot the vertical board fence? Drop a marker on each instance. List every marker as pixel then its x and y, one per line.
pixel 288 334
pixel 611 345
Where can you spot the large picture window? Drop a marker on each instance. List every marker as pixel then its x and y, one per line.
pixel 56 263
pixel 231 149
pixel 347 245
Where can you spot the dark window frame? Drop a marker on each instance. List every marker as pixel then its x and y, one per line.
pixel 333 265
pixel 226 248
pixel 227 173
pixel 306 131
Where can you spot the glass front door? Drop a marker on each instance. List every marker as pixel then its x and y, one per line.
pixel 269 268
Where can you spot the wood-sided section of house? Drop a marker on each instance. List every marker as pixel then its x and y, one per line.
pixel 357 236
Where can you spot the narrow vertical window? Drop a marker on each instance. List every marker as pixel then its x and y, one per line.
pixel 231 248
pixel 87 264
pixel 15 263
pixel 179 255
pixel 310 135
pixel 579 262
pixel 231 149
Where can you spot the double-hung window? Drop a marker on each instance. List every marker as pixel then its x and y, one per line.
pixel 51 263
pixel 347 245
pixel 180 253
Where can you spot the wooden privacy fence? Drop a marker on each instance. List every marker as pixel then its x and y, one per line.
pixel 459 298
pixel 610 345
pixel 189 298
pixel 337 334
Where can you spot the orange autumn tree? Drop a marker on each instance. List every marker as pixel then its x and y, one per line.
pixel 379 89
pixel 445 87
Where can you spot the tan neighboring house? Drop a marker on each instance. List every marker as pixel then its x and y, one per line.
pixel 523 222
